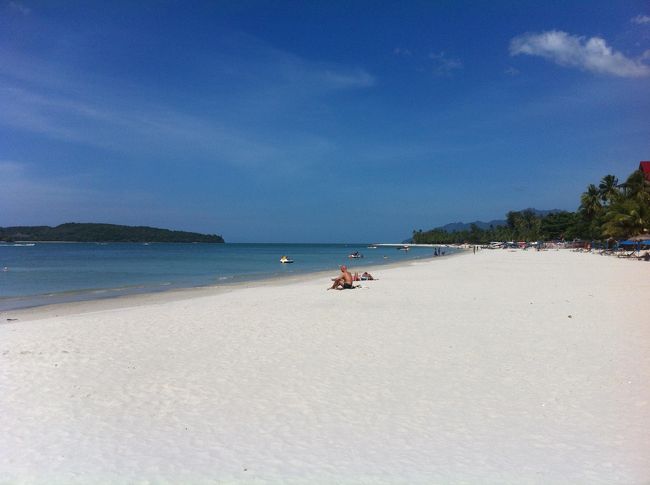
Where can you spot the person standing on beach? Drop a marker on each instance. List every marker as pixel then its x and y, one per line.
pixel 343 282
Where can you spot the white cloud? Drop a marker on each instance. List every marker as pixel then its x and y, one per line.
pixel 641 19
pixel 576 51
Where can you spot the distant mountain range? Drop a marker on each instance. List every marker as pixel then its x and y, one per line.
pixel 91 232
pixel 465 226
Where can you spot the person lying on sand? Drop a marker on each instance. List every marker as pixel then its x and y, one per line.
pixel 365 276
pixel 343 282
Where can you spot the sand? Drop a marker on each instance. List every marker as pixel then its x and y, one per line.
pixel 500 367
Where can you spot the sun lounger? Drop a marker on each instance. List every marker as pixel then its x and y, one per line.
pixel 626 254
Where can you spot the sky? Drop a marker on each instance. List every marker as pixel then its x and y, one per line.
pixel 320 121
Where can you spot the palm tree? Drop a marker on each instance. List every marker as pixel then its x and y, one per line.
pixel 590 205
pixel 608 189
pixel 626 218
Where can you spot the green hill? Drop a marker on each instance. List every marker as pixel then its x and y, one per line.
pixel 90 232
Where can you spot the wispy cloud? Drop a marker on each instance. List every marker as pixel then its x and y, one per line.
pixel 640 19
pixel 438 63
pixel 401 52
pixel 19 7
pixel 355 78
pixel 273 69
pixel 151 130
pixel 444 65
pixel 591 54
pixel 40 97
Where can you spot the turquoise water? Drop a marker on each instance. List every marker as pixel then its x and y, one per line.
pixel 56 272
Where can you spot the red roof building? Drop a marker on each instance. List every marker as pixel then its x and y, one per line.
pixel 645 168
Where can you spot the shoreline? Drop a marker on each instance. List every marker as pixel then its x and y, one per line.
pixel 109 302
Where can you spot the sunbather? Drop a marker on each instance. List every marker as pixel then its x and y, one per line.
pixel 343 282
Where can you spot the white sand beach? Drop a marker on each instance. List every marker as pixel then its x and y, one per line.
pixel 500 367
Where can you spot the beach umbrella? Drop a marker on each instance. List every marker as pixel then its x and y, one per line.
pixel 641 240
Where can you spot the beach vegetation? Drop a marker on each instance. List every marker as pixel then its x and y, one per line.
pixel 609 210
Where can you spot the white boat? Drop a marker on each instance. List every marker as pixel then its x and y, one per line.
pixel 355 255
pixel 403 248
pixel 372 246
pixel 285 260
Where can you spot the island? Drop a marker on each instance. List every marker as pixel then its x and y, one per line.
pixel 93 232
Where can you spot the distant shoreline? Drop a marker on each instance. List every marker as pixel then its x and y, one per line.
pixel 99 232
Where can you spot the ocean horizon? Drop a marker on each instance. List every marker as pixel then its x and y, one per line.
pixel 44 273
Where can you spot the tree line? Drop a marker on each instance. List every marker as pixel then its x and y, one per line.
pixel 609 210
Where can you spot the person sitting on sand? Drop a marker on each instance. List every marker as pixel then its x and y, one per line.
pixel 343 282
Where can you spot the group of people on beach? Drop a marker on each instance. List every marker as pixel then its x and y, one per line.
pixel 346 279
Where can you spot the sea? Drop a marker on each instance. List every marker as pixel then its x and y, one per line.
pixel 46 273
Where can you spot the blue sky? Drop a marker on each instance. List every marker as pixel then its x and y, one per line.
pixel 315 121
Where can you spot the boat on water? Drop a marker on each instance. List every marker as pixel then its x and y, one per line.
pixel 403 248
pixel 372 246
pixel 286 260
pixel 355 255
